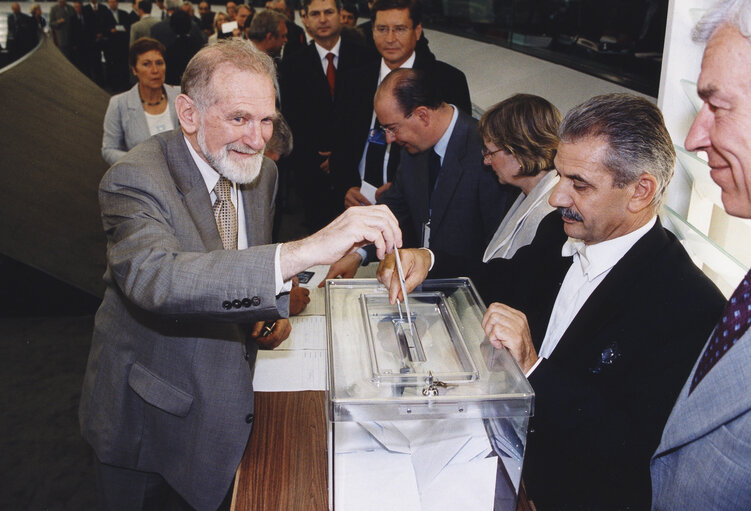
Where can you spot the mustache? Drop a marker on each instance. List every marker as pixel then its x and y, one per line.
pixel 570 214
pixel 240 148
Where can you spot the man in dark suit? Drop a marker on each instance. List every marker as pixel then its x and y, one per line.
pixel 443 195
pixel 607 327
pixel 167 399
pixel 116 34
pixel 704 457
pixel 361 152
pixel 310 92
pixel 164 33
pixel 94 18
pixel 22 34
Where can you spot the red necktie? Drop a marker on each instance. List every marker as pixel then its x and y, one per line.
pixel 331 73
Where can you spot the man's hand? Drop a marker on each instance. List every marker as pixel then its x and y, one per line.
pixel 355 198
pixel 508 328
pixel 279 333
pixel 325 165
pixel 354 228
pixel 415 264
pixel 381 189
pixel 298 298
pixel 346 267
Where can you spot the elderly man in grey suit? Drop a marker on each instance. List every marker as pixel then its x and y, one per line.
pixel 167 399
pixel 704 458
pixel 443 195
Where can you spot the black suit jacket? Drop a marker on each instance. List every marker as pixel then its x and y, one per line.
pixel 307 104
pixel 468 203
pixel 605 393
pixel 355 113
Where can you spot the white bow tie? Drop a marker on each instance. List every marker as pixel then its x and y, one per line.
pixel 574 246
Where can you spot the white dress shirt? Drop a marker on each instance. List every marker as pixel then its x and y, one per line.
pixel 322 52
pixel 211 178
pixel 591 265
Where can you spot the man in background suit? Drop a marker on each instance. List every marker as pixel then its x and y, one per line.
pixel 704 458
pixel 361 152
pixel 22 34
pixel 606 327
pixel 310 91
pixel 167 400
pixel 60 21
pixel 165 34
pixel 443 195
pixel 93 14
pixel 142 28
pixel 116 34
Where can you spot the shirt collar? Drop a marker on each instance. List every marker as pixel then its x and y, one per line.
pixel 443 142
pixel 209 175
pixel 385 70
pixel 600 257
pixel 322 52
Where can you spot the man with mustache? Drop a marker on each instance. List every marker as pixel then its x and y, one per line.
pixel 167 399
pixel 605 327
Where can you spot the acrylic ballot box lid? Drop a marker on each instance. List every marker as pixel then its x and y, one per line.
pixel 381 366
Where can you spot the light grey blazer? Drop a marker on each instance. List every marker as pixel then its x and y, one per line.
pixel 519 226
pixel 168 384
pixel 704 458
pixel 125 123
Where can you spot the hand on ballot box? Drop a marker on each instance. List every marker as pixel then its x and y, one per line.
pixel 508 328
pixel 298 298
pixel 345 268
pixel 415 263
pixel 270 334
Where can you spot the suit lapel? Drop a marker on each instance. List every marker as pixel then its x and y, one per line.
pixel 191 185
pixel 136 111
pixel 451 173
pixel 607 299
pixel 720 397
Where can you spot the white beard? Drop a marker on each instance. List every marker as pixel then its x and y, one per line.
pixel 238 172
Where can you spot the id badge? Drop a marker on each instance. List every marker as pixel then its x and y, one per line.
pixel 426 234
pixel 377 136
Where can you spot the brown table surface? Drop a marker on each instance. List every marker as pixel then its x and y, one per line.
pixel 284 467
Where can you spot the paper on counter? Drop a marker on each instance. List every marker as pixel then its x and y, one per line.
pixel 290 370
pixel 308 333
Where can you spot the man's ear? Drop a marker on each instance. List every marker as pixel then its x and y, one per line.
pixel 418 31
pixel 187 113
pixel 423 114
pixel 644 192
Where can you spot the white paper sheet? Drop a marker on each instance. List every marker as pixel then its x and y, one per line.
pixel 290 370
pixel 368 191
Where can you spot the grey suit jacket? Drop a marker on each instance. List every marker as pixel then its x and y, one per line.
pixel 468 203
pixel 142 28
pixel 125 123
pixel 704 457
pixel 168 385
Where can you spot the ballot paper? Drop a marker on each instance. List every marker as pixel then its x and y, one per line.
pixel 424 464
pixel 299 363
pixel 368 191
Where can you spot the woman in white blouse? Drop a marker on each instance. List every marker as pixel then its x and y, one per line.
pixel 146 109
pixel 521 138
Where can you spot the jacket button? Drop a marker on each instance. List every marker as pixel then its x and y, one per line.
pixel 246 302
pixel 249 418
pixel 227 305
pixel 236 304
pixel 256 301
pixel 247 356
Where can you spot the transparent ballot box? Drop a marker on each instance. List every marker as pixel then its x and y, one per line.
pixel 423 413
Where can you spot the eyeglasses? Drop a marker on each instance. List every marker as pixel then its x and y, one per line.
pixel 487 154
pixel 393 129
pixel 399 30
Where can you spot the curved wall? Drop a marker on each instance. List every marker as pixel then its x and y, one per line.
pixel 51 132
